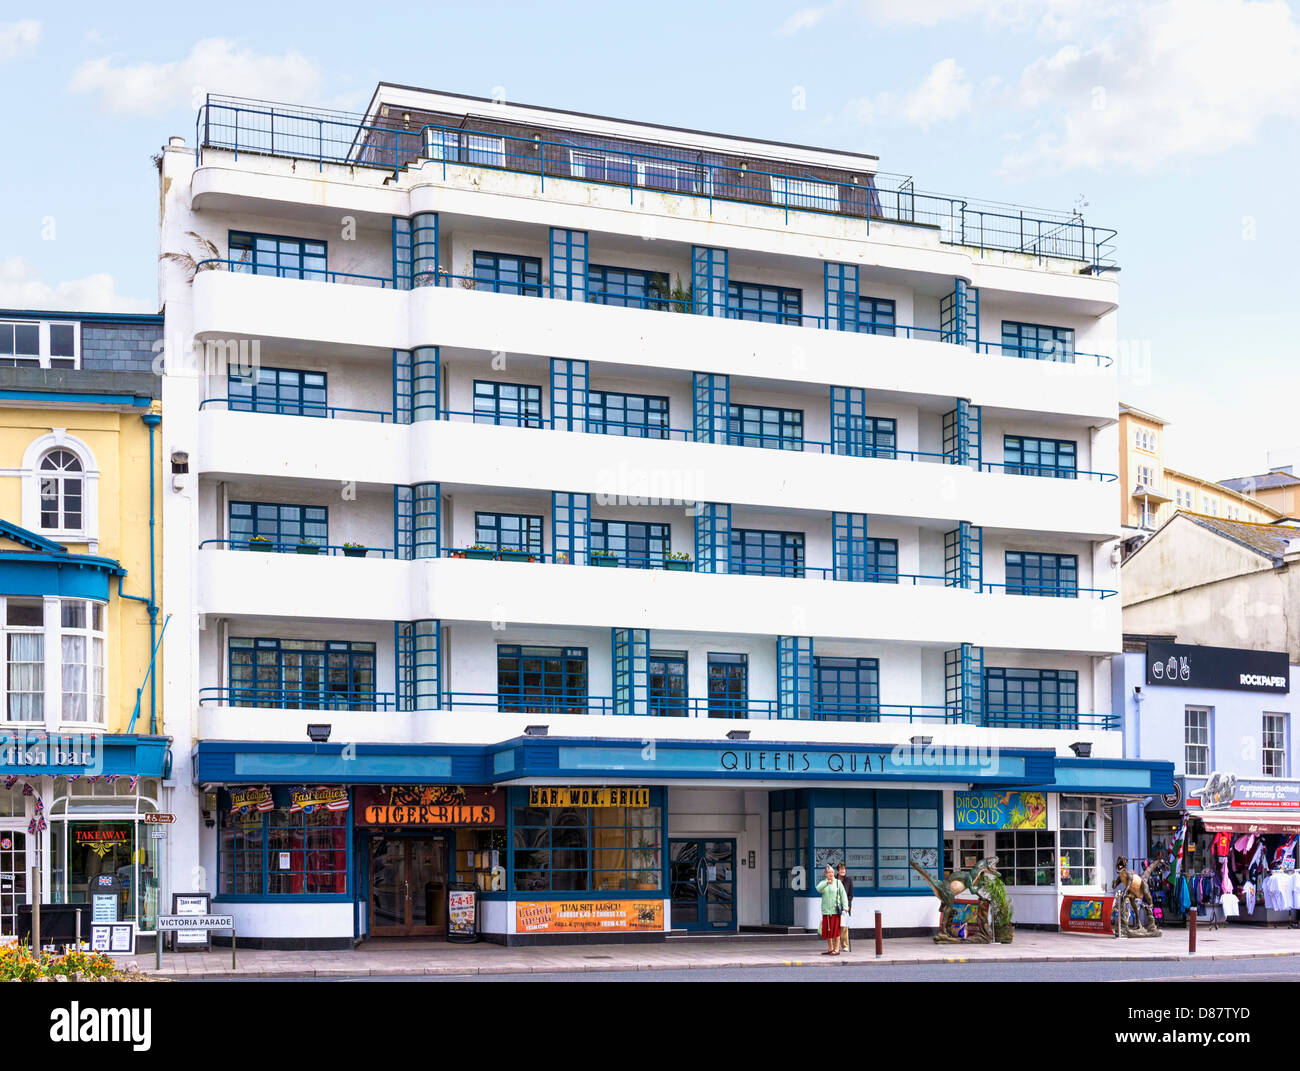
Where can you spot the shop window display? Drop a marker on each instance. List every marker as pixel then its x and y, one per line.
pixel 282 852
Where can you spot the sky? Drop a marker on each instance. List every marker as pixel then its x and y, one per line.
pixel 1173 122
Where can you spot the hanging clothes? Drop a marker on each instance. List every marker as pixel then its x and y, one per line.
pixel 1230 903
pixel 1248 891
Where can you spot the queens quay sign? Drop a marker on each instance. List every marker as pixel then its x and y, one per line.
pixel 22 750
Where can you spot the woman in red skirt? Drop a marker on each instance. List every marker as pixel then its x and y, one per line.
pixel 834 900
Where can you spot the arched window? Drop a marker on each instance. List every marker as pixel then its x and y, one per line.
pixel 60 473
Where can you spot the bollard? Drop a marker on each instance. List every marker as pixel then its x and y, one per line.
pixel 78 929
pixel 36 911
pixel 1191 933
pixel 157 949
pixel 232 948
pixel 880 937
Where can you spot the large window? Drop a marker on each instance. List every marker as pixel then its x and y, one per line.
pixel 627 286
pixel 805 193
pixel 282 852
pixel 80 667
pixel 770 304
pixel 1273 750
pixel 668 683
pixel 1034 698
pixel 882 561
pixel 514 405
pixel 281 524
pixel 728 685
pixel 1031 573
pixel 20 343
pixel 599 165
pixel 278 390
pixel 25 656
pixel 1025 456
pixel 758 552
pixel 42 344
pixel 633 543
pixel 877 835
pixel 764 426
pixel 846 689
pixel 460 146
pixel 505 273
pixel 307 674
pixel 860 436
pixel 1037 342
pixel 542 680
pixel 875 316
pixel 587 849
pixel 266 254
pixel 640 416
pixel 1078 823
pixel 81 634
pixel 1196 741
pixel 1026 856
pixel 509 531
pixel 62 491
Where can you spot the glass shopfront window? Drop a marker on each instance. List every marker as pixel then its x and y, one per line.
pixel 1078 825
pixel 878 834
pixel 283 851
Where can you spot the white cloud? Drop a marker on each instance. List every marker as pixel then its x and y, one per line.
pixel 1175 79
pixel 21 288
pixel 804 19
pixel 18 37
pixel 1055 18
pixel 215 65
pixel 945 93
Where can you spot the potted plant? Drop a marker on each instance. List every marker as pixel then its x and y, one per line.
pixel 677 561
pixel 1003 930
pixel 308 546
pixel 478 550
pixel 681 298
pixel 515 554
pixel 355 550
pixel 604 558
pixel 260 543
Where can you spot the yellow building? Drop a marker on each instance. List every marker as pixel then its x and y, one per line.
pixel 82 750
pixel 1151 492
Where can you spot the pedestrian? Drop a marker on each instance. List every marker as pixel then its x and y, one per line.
pixel 833 902
pixel 846 921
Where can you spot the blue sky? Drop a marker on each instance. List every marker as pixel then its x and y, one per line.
pixel 1175 121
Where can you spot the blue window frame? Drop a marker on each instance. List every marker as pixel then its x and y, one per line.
pixel 542 680
pixel 877 834
pixel 512 405
pixel 1026 456
pixel 846 689
pixel 306 674
pixel 639 416
pixel 506 273
pixel 728 685
pixel 634 543
pixel 882 561
pixel 668 683
pixel 876 316
pixel 281 524
pixel 627 287
pixel 770 304
pixel 765 427
pixel 269 254
pixel 1037 342
pixel 586 849
pixel 509 531
pixel 1037 698
pixel 1033 573
pixel 758 552
pixel 316 846
pixel 286 391
pixel 460 146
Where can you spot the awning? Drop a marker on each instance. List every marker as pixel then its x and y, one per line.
pixel 1252 821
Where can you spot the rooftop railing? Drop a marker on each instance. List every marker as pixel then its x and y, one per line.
pixel 336 137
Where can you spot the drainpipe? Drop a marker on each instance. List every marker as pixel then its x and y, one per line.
pixel 151 421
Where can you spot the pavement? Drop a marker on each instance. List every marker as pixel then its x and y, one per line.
pixel 392 959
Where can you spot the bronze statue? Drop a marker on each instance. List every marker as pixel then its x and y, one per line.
pixel 959 882
pixel 1134 896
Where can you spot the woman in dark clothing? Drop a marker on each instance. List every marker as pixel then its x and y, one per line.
pixel 842 872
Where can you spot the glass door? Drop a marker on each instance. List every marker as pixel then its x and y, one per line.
pixel 427 866
pixel 702 884
pixel 408 886
pixel 13 878
pixel 388 884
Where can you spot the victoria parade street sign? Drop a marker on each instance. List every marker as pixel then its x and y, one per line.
pixel 1181 665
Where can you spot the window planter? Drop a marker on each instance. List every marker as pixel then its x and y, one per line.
pixel 308 548
pixel 604 561
pixel 480 555
pixel 261 547
pixel 516 556
pixel 677 565
pixel 355 552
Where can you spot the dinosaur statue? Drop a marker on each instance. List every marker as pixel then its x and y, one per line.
pixel 1134 895
pixel 957 883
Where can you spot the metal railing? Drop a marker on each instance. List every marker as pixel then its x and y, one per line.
pixel 309 275
pixel 304 409
pixel 1050 591
pixel 668 706
pixel 298 698
pixel 1055 472
pixel 266 128
pixel 271 547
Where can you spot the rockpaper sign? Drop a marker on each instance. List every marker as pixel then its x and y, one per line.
pixel 1181 665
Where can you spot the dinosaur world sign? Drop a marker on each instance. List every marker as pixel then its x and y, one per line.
pixel 1000 810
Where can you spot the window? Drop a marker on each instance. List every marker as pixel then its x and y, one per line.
pixel 1078 824
pixel 875 316
pixel 305 674
pixel 282 852
pixel 61 491
pixel 770 304
pixel 627 287
pixel 1273 749
pixel 587 849
pixel 509 531
pixel 1026 856
pixel 1031 573
pixel 542 680
pixel 761 426
pixel 282 525
pixel 878 835
pixel 20 343
pixel 865 436
pixel 459 146
pixel 512 405
pixel 1211 506
pixel 668 683
pixel 505 273
pixel 82 637
pixel 33 344
pixel 1196 740
pixel 728 685
pixel 633 543
pixel 804 193
pixel 882 561
pixel 1033 698
pixel 1025 456
pixel 1145 440
pixel 286 391
pixel 846 689
pixel 669 175
pixel 1037 342
pixel 287 258
pixel 762 553
pixel 641 416
pixel 25 654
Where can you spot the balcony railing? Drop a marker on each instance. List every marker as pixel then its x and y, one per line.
pixel 322 698
pixel 267 546
pixel 283 408
pixel 265 128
